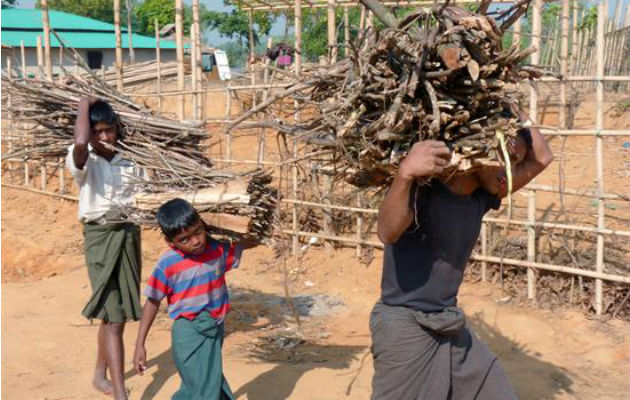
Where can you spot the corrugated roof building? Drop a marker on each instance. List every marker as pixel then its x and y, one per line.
pixel 94 40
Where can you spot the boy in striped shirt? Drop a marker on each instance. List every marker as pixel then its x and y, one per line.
pixel 191 275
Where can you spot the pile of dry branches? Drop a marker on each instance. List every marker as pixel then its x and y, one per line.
pixel 440 74
pixel 172 152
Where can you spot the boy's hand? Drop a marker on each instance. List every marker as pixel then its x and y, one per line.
pixel 140 360
pixel 425 159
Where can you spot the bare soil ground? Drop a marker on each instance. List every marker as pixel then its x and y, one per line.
pixel 48 348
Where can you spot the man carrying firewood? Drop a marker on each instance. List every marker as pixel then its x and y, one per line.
pixel 422 348
pixel 112 249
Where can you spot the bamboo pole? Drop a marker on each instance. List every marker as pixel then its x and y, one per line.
pixel 562 117
pixel 119 56
pixel 332 33
pixel 531 244
pixel 46 25
pixel 23 58
pixel 252 53
pixel 10 113
pixel 40 57
pixel 158 60
pixel 193 67
pixel 60 61
pixel 132 53
pixel 62 176
pixel 362 19
pixel 574 36
pixel 43 176
pixel 359 221
pixel 516 34
pixel 599 122
pixel 197 56
pixel 298 37
pixel 535 58
pixel 294 211
pixel 484 250
pixel 346 32
pixel 179 41
pixel 369 22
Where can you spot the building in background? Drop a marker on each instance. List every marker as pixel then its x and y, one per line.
pixel 94 40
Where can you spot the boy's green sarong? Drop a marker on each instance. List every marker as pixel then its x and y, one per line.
pixel 113 257
pixel 197 354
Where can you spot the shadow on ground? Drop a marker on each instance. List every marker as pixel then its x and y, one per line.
pixel 295 355
pixel 532 377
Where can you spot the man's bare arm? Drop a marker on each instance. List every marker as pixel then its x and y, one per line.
pixel 82 132
pixel 425 159
pixel 536 160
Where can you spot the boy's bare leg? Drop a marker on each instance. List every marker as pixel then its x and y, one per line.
pixel 100 381
pixel 116 358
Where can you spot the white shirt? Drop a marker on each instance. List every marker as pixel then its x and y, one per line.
pixel 104 186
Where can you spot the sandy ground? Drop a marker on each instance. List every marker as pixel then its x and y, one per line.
pixel 48 348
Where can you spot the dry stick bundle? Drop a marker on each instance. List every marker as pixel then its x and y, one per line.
pixel 440 74
pixel 172 152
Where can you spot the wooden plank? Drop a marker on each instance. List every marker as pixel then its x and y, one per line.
pixel 234 223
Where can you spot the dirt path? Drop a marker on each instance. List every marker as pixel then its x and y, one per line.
pixel 48 348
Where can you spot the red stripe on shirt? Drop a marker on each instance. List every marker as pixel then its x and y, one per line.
pixel 186 263
pixel 197 290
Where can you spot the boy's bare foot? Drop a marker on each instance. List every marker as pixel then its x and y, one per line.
pixel 103 385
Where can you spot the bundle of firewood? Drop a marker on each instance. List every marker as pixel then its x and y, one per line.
pixel 173 154
pixel 438 74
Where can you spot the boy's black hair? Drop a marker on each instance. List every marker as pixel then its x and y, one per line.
pixel 101 111
pixel 176 215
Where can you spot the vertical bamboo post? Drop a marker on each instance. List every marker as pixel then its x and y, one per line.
pixel 516 34
pixel 252 55
pixel 62 177
pixel 23 58
pixel 10 113
pixel 362 21
pixel 132 53
pixel 60 64
pixel 531 243
pixel 103 73
pixel 298 36
pixel 119 56
pixel 562 117
pixel 158 60
pixel 332 32
pixel 346 32
pixel 294 188
pixel 197 56
pixel 599 121
pixel 484 250
pixel 46 25
pixel 574 37
pixel 370 20
pixel 40 57
pixel 535 58
pixel 193 72
pixel 359 224
pixel 44 175
pixel 179 42
pixel 27 173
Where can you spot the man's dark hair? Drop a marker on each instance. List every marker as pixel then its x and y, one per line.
pixel 526 135
pixel 101 111
pixel 176 215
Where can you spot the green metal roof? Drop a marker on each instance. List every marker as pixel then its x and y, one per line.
pixel 76 31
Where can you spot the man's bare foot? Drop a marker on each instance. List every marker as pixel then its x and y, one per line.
pixel 103 385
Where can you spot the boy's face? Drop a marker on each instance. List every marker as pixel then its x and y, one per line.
pixel 191 240
pixel 494 179
pixel 102 134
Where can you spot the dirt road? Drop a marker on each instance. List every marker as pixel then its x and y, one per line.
pixel 48 348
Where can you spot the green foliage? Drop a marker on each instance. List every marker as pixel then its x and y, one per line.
pixel 589 18
pixel 234 24
pixel 164 11
pixel 315 30
pixel 101 10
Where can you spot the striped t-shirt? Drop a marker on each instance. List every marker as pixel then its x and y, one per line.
pixel 194 283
